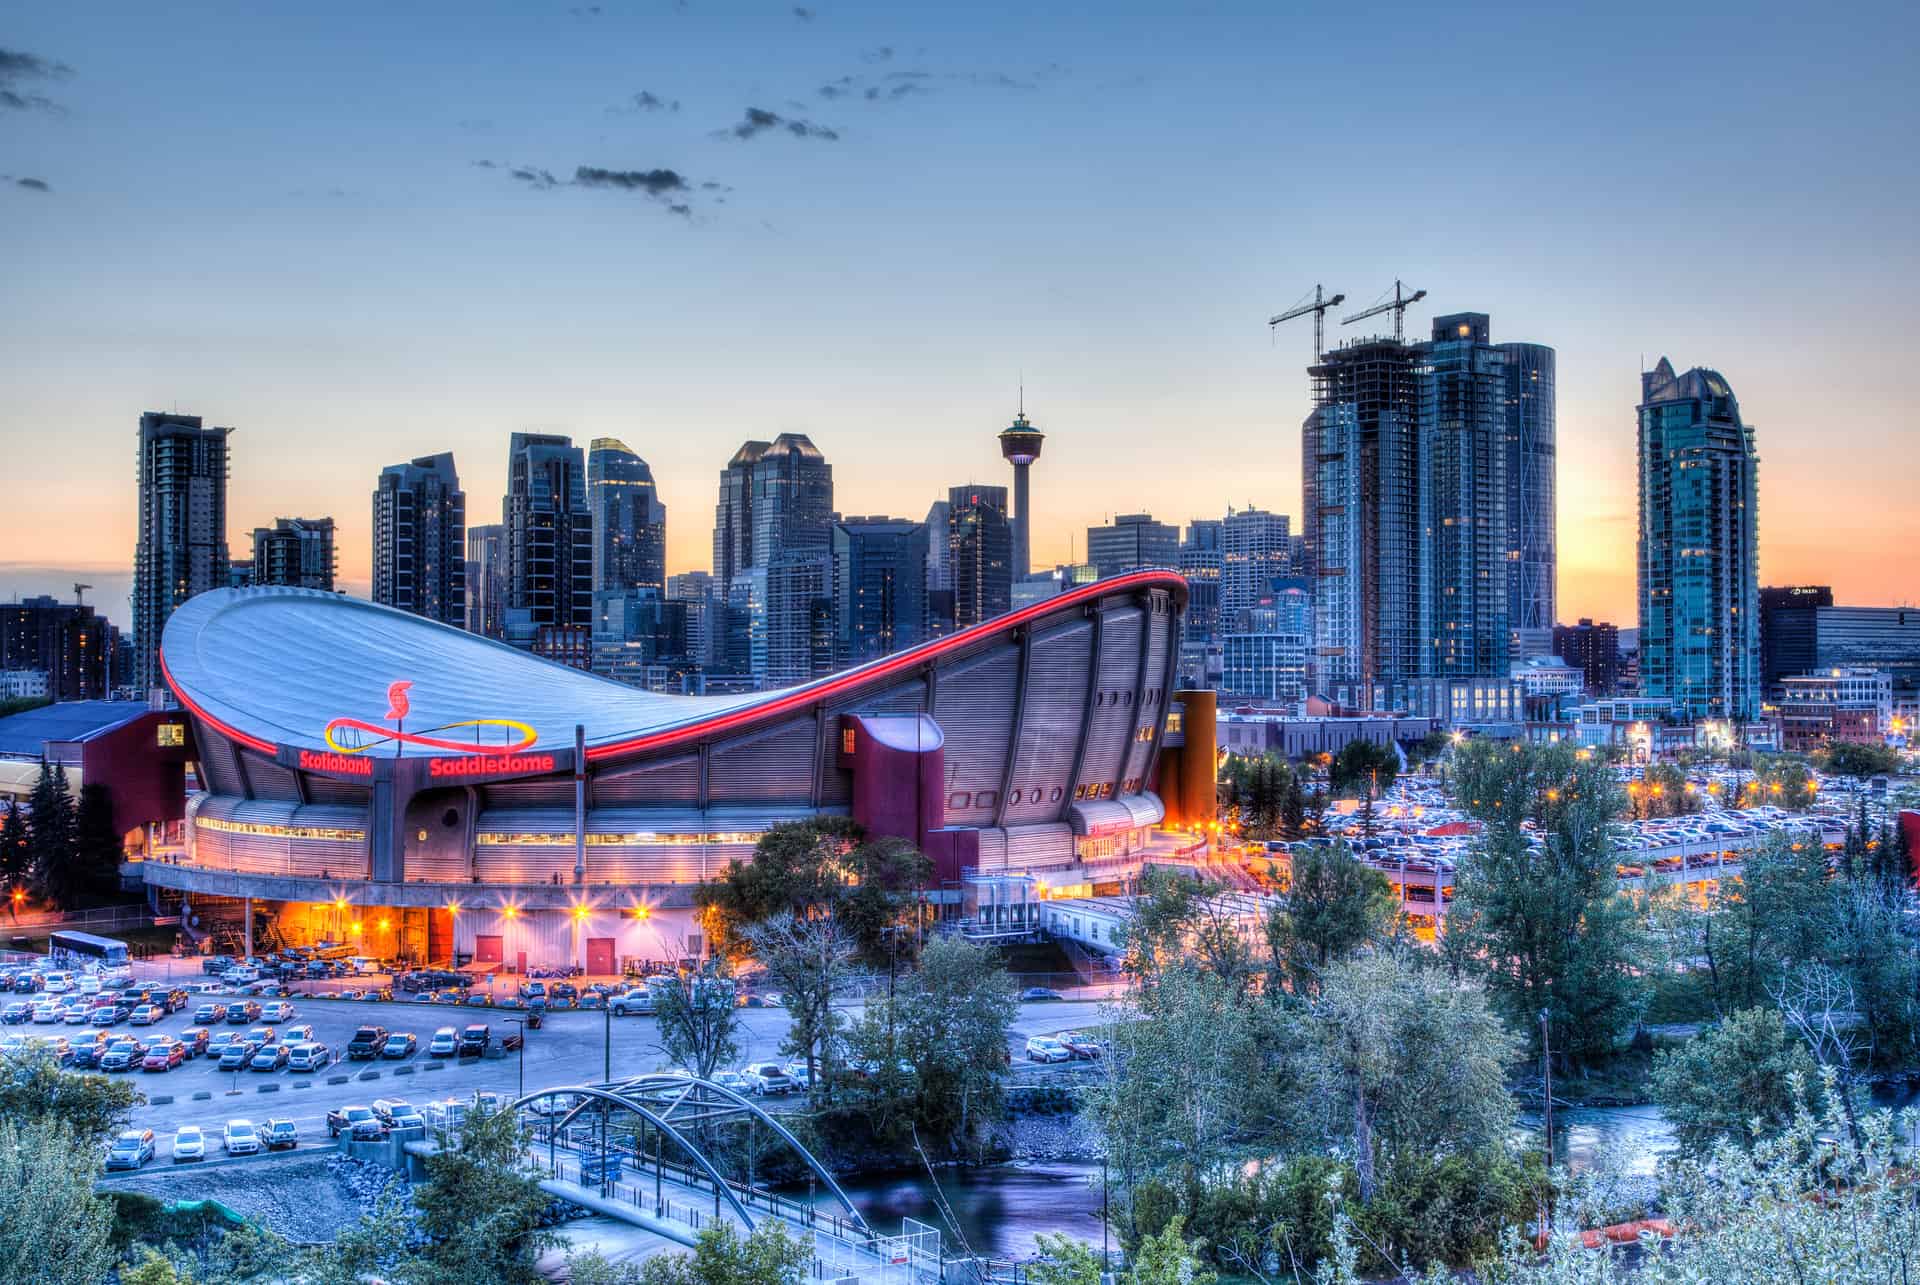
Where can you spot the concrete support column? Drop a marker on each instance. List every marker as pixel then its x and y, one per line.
pixel 248 903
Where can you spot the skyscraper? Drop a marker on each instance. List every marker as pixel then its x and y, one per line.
pixel 420 539
pixel 1532 462
pixel 694 590
pixel 1020 443
pixel 1130 541
pixel 880 586
pixel 1253 551
pixel 775 518
pixel 548 543
pixel 1200 563
pixel 1594 650
pixel 487 580
pixel 1361 513
pixel 733 515
pixel 71 644
pixel 1462 506
pixel 979 553
pixel 629 521
pixel 792 499
pixel 182 548
pixel 295 551
pixel 1699 546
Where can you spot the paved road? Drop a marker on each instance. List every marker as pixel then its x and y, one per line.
pixel 569 1049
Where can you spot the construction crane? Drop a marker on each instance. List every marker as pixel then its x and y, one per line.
pixel 80 593
pixel 1397 305
pixel 1318 308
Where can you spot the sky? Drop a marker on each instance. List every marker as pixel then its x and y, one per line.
pixel 359 233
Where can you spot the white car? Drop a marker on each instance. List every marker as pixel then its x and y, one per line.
pixel 240 1138
pixel 1044 1048
pixel 445 1043
pixel 299 1034
pixel 58 983
pixel 309 1056
pixel 277 1010
pixel 189 1144
pixel 769 1077
pixel 89 984
pixel 146 1015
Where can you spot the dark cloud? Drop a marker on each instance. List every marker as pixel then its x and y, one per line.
pixel 805 15
pixel 17 66
pixel 908 75
pixel 651 182
pixel 837 88
pixel 646 101
pixel 488 165
pixel 758 121
pixel 32 184
pixel 684 211
pixel 585 11
pixel 534 178
pixel 893 93
pixel 883 54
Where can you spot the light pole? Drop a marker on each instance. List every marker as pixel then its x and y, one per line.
pixel 521 1022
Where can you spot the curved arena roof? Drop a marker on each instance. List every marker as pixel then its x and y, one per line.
pixel 275 666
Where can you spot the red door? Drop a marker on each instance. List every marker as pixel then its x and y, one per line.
pixel 521 966
pixel 487 950
pixel 600 956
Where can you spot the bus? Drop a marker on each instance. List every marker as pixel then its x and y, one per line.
pixel 69 948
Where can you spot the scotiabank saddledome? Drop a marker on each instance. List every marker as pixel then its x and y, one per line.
pixel 372 775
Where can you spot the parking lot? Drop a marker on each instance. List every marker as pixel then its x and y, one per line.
pixel 571 1047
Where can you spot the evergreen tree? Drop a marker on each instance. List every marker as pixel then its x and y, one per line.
pixel 96 843
pixel 16 846
pixel 50 831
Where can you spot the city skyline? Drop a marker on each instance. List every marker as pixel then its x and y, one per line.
pixel 887 310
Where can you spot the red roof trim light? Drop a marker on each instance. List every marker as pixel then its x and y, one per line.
pixel 231 733
pixel 883 669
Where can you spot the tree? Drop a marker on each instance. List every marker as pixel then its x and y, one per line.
pixel 1364 767
pixel 1412 1063
pixel 1538 909
pixel 97 847
pixel 1858 760
pixel 1663 792
pixel 821 866
pixel 1178 919
pixel 1335 904
pixel 768 1256
pixel 16 847
pixel 1733 1081
pixel 50 831
pixel 1783 909
pixel 937 1046
pixel 92 1108
pixel 154 1268
pixel 1781 782
pixel 1168 1259
pixel 808 960
pixel 699 1024
pixel 480 1207
pixel 1063 1261
pixel 53 1229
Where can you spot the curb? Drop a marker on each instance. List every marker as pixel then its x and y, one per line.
pixel 367 1075
pixel 434 1066
pixel 160 1100
pixel 302 1084
pixel 268 1088
pixel 338 1079
pixel 403 1070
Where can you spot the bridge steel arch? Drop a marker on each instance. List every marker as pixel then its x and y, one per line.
pixel 759 1113
pixel 596 1093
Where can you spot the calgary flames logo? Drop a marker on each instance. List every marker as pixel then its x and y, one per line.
pixel 358 736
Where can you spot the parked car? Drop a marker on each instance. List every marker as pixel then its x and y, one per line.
pixel 130 1149
pixel 240 1138
pixel 1044 1048
pixel 16 1012
pixel 445 1043
pixel 189 1143
pixel 262 1035
pixel 1081 1045
pixel 400 1044
pixel 196 1040
pixel 366 1043
pixel 216 965
pixel 236 1055
pixel 210 1014
pixel 281 1135
pixel 243 1012
pixel 219 1041
pixel 298 1033
pixel 354 1121
pixel 271 1057
pixel 146 1015
pixel 174 999
pixel 104 1015
pixel 769 1077
pixel 637 1002
pixel 397 1113
pixel 474 1040
pixel 163 1055
pixel 1039 993
pixel 309 1056
pixel 277 1011
pixel 123 1055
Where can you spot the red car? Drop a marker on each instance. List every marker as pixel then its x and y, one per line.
pixel 164 1056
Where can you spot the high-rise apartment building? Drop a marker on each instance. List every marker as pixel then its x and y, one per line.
pixel 486 580
pixel 548 544
pixel 1699 554
pixel 420 544
pixel 182 541
pixel 979 553
pixel 70 645
pixel 880 587
pixel 1532 496
pixel 1200 562
pixel 1131 541
pixel 629 521
pixel 1462 502
pixel 1593 649
pixel 295 551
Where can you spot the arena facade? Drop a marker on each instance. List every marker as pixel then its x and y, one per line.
pixel 367 775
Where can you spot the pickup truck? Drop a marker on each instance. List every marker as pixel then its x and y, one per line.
pixel 356 1122
pixel 366 1043
pixel 638 1001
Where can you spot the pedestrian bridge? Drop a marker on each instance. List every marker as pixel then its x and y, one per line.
pixel 675 1155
